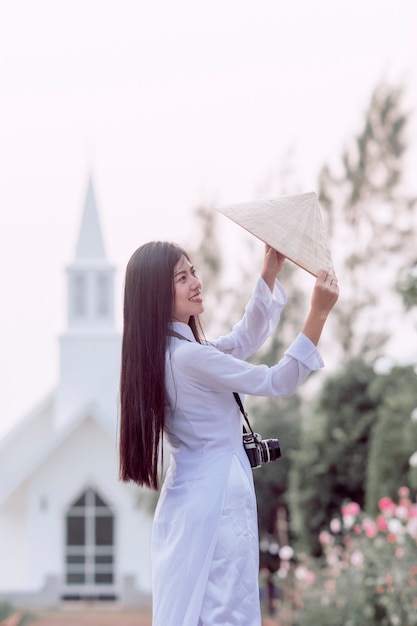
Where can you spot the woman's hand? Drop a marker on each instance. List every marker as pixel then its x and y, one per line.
pixel 273 262
pixel 325 295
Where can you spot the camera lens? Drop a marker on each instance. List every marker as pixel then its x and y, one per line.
pixel 270 450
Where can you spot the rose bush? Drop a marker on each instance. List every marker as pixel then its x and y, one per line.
pixel 369 573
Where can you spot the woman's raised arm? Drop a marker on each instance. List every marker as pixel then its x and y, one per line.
pixel 323 299
pixel 272 265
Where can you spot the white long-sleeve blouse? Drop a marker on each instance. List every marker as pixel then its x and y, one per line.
pixel 204 433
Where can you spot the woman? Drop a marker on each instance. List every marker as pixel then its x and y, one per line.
pixel 174 383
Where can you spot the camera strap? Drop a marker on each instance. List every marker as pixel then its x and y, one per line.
pixel 242 410
pixel 173 333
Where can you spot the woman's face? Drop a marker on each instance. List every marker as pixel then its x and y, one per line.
pixel 187 292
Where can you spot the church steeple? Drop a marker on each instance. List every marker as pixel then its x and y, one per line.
pixel 90 240
pixel 90 346
pixel 90 276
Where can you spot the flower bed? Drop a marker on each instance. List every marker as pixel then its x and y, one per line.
pixel 369 573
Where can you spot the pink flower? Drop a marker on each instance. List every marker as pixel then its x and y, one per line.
pixel 325 538
pixel 381 523
pixel 335 525
pixel 304 574
pixel 405 502
pixel 413 511
pixel 357 558
pixel 370 528
pixel 386 505
pixel 351 509
pixel 403 492
pixel 412 527
pixel 401 512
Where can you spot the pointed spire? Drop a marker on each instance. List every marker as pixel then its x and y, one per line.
pixel 90 240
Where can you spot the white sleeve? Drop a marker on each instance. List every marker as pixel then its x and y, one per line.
pixel 261 317
pixel 206 368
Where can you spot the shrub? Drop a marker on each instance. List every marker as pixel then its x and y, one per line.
pixel 368 576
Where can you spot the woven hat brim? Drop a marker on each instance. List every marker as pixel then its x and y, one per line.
pixel 293 225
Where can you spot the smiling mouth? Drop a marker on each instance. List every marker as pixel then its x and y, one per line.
pixel 196 298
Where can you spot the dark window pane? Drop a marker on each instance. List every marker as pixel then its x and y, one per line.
pixel 104 531
pixel 104 579
pixel 98 501
pixel 75 531
pixel 77 524
pixel 80 501
pixel 104 559
pixel 75 579
pixel 75 558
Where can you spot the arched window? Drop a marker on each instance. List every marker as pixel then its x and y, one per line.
pixel 89 541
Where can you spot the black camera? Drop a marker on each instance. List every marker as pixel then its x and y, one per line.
pixel 260 450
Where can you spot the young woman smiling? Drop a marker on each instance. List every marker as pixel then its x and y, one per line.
pixel 176 384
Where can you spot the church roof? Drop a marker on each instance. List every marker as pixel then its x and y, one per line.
pixel 90 240
pixel 20 461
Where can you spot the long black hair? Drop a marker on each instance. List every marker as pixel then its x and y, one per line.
pixel 147 313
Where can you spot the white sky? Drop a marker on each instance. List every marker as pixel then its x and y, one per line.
pixel 168 103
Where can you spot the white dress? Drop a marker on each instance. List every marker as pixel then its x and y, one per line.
pixel 205 536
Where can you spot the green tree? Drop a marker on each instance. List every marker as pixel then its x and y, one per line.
pixel 372 224
pixel 372 227
pixel 276 419
pixel 394 438
pixel 358 447
pixel 331 465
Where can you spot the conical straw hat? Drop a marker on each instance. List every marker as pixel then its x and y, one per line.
pixel 293 225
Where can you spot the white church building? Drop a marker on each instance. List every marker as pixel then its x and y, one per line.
pixel 69 529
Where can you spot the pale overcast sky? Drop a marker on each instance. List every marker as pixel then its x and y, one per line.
pixel 168 104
